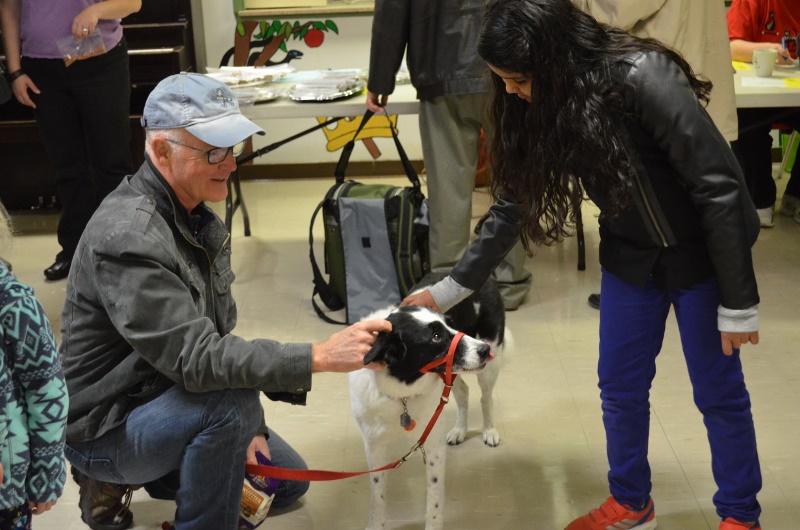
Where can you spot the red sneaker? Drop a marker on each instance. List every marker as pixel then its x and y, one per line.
pixel 733 524
pixel 612 515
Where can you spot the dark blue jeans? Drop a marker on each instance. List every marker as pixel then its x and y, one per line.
pixel 189 447
pixel 83 117
pixel 632 323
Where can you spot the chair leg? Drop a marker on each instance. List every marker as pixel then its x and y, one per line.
pixel 786 154
pixel 581 239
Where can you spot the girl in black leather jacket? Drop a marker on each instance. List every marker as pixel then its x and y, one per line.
pixel 582 107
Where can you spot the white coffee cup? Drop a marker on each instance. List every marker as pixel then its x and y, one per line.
pixel 764 62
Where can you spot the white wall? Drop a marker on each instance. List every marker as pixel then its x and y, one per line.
pixel 348 49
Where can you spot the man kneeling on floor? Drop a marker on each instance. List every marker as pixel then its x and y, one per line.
pixel 161 393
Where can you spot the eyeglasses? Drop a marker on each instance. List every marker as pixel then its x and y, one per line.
pixel 216 154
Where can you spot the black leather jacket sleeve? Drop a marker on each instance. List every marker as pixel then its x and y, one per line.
pixel 499 233
pixel 665 106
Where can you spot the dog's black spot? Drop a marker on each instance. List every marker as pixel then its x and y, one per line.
pixel 375 480
pixel 435 479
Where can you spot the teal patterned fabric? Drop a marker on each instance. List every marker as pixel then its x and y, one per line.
pixel 33 399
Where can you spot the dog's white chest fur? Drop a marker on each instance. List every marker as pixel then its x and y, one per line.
pixel 377 402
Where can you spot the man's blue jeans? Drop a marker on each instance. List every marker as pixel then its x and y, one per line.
pixel 632 324
pixel 190 447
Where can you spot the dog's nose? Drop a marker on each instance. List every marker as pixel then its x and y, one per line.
pixel 485 351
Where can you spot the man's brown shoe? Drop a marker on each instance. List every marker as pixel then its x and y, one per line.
pixel 104 506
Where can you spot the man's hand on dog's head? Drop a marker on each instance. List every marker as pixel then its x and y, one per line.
pixel 344 351
pixel 423 298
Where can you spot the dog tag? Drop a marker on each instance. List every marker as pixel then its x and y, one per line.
pixel 405 420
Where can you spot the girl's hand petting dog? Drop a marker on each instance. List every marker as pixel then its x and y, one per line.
pixel 344 351
pixel 423 298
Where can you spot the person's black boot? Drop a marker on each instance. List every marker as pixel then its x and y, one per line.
pixel 104 506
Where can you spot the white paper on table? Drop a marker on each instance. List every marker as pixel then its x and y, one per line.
pixel 763 82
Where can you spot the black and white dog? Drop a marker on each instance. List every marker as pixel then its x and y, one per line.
pixel 397 403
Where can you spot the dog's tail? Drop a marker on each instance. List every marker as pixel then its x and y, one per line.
pixel 509 346
pixel 504 351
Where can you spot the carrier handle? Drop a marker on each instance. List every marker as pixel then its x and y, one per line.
pixel 344 158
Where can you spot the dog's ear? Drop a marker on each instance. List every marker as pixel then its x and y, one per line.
pixel 387 347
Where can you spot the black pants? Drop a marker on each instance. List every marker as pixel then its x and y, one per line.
pixel 753 150
pixel 83 117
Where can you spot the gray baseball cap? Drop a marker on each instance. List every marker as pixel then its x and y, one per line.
pixel 200 104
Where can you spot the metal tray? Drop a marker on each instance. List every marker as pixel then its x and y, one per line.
pixel 323 94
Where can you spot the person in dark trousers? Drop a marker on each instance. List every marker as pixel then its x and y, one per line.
pixel 452 85
pixel 580 106
pixel 82 108
pixel 162 393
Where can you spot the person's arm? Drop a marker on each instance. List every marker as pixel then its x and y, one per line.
pixel 106 10
pixel 10 24
pixel 742 50
pixel 10 20
pixel 155 313
pixel 390 32
pixel 623 14
pixel 38 372
pixel 499 233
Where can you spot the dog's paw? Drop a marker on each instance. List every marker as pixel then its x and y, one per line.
pixel 491 437
pixel 456 436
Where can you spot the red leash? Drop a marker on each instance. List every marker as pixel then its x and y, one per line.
pixel 317 475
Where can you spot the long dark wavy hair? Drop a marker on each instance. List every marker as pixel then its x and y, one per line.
pixel 539 149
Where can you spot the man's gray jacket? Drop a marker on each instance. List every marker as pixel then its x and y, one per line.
pixel 441 37
pixel 149 305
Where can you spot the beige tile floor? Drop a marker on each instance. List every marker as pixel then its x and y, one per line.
pixel 550 466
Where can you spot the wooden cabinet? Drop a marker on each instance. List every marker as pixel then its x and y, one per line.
pixel 160 43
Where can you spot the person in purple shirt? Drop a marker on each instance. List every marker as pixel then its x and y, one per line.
pixel 82 110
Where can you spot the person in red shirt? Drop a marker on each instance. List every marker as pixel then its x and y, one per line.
pixel 760 24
